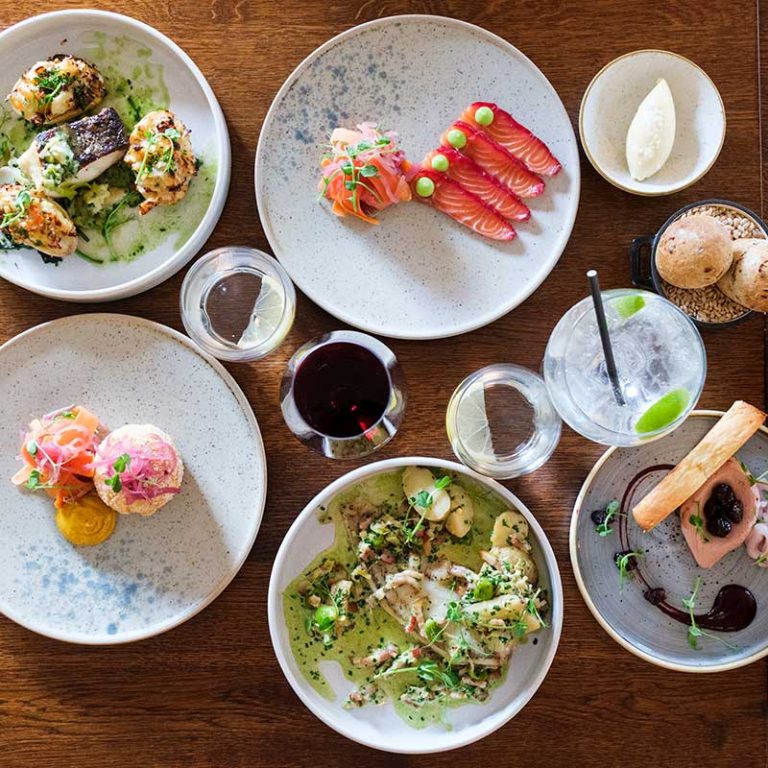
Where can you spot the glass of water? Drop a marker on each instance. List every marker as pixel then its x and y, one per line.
pixel 238 303
pixel 660 361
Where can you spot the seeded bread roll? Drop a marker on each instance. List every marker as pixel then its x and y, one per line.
pixel 694 252
pixel 747 280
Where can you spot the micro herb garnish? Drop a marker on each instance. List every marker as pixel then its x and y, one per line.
pixel 625 565
pixel 67 415
pixel 433 630
pixel 21 205
pixel 698 523
pixel 32 447
pixel 424 500
pixel 119 466
pixel 50 82
pixel 611 511
pixel 694 630
pixel 431 672
pixel 165 160
pixel 761 558
pixel 113 221
pixel 33 481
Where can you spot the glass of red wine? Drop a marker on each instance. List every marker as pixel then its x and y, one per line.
pixel 343 394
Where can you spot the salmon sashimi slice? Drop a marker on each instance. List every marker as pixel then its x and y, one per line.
pixel 493 159
pixel 451 198
pixel 465 171
pixel 504 129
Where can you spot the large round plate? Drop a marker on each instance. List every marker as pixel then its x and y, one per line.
pixel 85 32
pixel 624 613
pixel 156 572
pixel 379 726
pixel 419 275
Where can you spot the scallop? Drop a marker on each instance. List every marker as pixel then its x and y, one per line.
pixel 31 218
pixel 56 90
pixel 161 157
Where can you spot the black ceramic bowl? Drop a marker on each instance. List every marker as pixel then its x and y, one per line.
pixel 642 254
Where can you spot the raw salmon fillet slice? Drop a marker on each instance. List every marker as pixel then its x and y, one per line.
pixel 452 199
pixel 494 159
pixel 465 171
pixel 514 137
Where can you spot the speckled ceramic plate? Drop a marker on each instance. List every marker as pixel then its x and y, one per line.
pixel 379 726
pixel 156 572
pixel 419 275
pixel 624 613
pixel 122 47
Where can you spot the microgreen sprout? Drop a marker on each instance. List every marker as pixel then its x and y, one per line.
pixel 119 466
pixel 694 630
pixel 626 563
pixel 423 500
pixel 21 205
pixel 604 518
pixel 697 522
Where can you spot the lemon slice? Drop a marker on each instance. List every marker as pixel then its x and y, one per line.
pixel 265 317
pixel 472 424
pixel 627 306
pixel 663 412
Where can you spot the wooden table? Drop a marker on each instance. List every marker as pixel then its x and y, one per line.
pixel 210 693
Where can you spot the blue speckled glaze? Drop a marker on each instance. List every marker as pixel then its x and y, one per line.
pixel 153 572
pixel 419 274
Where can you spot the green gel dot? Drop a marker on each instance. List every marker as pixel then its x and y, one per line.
pixel 457 138
pixel 425 187
pixel 484 116
pixel 440 163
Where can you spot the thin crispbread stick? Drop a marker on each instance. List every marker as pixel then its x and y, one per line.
pixel 736 426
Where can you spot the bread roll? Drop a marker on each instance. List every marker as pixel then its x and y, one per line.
pixel 747 280
pixel 736 426
pixel 694 252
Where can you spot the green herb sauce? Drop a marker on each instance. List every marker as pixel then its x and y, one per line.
pixel 376 628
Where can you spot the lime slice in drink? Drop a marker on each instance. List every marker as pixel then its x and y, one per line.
pixel 265 317
pixel 627 306
pixel 663 412
pixel 472 424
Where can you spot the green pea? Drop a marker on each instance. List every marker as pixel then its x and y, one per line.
pixel 325 617
pixel 457 138
pixel 431 629
pixel 425 187
pixel 483 590
pixel 484 116
pixel 440 163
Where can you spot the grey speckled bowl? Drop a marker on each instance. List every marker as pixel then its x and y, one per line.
pixel 625 614
pixel 419 275
pixel 156 572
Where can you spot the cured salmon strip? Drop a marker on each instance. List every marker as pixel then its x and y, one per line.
pixel 493 159
pixel 451 198
pixel 474 179
pixel 516 138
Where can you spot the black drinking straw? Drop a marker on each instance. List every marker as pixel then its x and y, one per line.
pixel 602 325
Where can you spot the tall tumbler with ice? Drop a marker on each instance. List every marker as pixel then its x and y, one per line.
pixel 660 360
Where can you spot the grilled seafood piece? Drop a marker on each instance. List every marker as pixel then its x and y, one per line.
pixel 56 90
pixel 31 218
pixel 161 156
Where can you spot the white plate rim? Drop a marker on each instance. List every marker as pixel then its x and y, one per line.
pixel 274 598
pixel 557 250
pixel 205 228
pixel 672 189
pixel 572 546
pixel 160 628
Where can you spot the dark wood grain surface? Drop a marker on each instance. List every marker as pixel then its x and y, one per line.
pixel 210 693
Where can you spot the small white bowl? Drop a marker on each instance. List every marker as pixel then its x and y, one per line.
pixel 379 726
pixel 610 103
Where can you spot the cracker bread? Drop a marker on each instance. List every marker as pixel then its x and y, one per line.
pixel 736 426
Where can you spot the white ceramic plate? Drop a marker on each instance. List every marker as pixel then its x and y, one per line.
pixel 419 275
pixel 83 32
pixel 610 103
pixel 156 572
pixel 379 726
pixel 624 613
